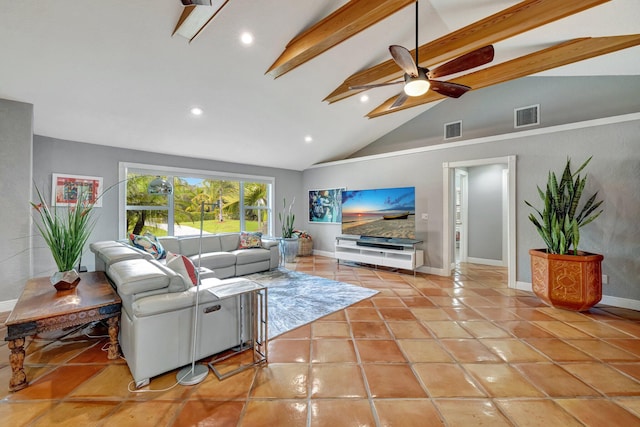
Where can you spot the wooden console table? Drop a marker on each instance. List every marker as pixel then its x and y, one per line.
pixel 41 308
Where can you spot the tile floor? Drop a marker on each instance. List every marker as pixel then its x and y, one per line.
pixel 425 351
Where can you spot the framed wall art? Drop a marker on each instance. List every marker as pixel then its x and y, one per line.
pixel 325 206
pixel 67 188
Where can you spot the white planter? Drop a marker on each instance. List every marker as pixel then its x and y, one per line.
pixel 290 249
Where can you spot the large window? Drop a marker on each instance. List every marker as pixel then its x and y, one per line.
pixel 229 203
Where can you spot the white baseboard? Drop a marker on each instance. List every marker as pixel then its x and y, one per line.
pixel 631 304
pixel 431 270
pixel 7 305
pixel 324 253
pixel 524 286
pixel 493 262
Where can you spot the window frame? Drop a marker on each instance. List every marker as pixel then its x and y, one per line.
pixel 127 167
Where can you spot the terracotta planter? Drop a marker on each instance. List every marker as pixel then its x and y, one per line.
pixel 572 282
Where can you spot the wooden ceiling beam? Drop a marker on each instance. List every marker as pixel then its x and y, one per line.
pixel 522 17
pixel 345 22
pixel 555 56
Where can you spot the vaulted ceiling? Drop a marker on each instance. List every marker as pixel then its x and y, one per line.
pixel 111 73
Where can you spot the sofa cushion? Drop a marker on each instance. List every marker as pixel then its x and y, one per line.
pixel 184 267
pixel 137 275
pixel 229 242
pixel 108 255
pixel 190 246
pixel 215 260
pixel 170 244
pixel 250 240
pixel 248 256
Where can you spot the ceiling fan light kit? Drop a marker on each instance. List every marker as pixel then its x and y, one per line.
pixel 416 85
pixel 417 79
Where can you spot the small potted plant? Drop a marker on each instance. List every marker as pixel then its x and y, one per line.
pixel 562 275
pixel 290 239
pixel 65 232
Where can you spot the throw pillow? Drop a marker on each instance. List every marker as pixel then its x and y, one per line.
pixel 250 240
pixel 148 243
pixel 184 267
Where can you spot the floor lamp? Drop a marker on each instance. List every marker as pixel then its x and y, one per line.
pixel 194 374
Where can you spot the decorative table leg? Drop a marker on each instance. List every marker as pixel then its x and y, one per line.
pixel 114 349
pixel 18 379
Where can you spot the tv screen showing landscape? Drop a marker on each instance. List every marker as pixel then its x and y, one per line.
pixel 384 212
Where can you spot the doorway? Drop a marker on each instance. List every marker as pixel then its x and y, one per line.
pixel 455 184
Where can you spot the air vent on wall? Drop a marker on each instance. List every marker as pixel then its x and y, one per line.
pixel 453 130
pixel 526 116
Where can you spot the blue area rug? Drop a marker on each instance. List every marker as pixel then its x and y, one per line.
pixel 295 299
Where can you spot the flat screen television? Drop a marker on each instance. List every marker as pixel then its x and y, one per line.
pixel 387 213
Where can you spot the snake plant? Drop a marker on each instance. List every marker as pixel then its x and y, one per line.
pixel 560 221
pixel 287 218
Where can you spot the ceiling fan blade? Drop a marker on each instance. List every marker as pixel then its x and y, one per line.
pixel 365 87
pixel 403 58
pixel 474 59
pixel 399 100
pixel 555 56
pixel 452 90
pixel 517 19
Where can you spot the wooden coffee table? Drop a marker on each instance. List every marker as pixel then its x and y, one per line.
pixel 41 308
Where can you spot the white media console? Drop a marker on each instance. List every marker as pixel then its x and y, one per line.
pixel 395 253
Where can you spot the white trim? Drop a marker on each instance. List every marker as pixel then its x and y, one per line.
pixel 631 304
pixel 488 139
pixel 194 172
pixel 524 286
pixel 123 167
pixel 486 261
pixel 447 185
pixel 323 253
pixel 7 305
pixel 432 270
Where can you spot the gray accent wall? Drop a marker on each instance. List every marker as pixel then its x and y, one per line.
pixel 489 111
pixel 16 130
pixel 614 172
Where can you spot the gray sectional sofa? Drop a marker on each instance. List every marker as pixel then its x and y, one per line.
pixel 156 326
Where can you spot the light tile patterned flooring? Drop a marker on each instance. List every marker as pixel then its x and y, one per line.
pixel 425 351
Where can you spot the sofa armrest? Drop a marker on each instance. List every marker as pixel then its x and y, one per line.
pixel 138 275
pixel 268 244
pixel 165 303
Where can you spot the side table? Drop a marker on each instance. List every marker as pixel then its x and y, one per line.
pixel 41 308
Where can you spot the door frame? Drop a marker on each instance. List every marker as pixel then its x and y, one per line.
pixel 448 170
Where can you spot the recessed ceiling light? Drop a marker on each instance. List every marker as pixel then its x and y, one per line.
pixel 196 111
pixel 364 98
pixel 246 38
pixel 308 139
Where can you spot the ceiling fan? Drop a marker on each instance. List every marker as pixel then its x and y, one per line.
pixel 418 80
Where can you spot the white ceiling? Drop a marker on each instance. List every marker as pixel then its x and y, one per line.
pixel 109 72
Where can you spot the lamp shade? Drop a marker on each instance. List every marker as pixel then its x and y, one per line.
pixel 160 186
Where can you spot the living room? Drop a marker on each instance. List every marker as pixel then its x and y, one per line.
pixel 407 151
